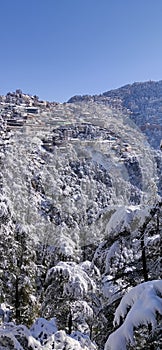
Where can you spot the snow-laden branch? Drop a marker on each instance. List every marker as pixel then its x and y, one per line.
pixel 10 333
pixel 77 282
pixel 145 302
pixel 43 335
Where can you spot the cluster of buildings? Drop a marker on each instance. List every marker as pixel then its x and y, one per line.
pixel 16 107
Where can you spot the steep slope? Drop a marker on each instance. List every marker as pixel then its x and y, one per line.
pixel 142 102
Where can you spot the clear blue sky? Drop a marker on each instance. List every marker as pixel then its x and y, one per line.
pixel 60 48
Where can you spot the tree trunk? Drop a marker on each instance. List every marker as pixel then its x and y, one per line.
pixel 144 263
pixel 17 304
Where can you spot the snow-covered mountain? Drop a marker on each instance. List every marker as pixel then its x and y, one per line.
pixel 79 181
pixel 74 161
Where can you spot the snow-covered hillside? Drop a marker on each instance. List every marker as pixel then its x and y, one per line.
pixel 80 217
pixel 71 163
